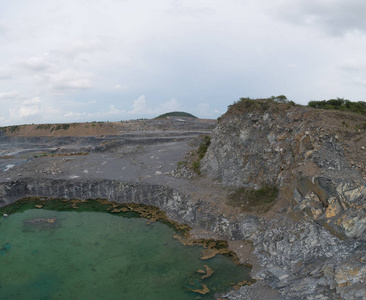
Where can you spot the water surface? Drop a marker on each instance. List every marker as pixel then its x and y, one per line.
pixel 46 254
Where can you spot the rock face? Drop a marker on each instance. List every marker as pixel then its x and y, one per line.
pixel 179 207
pixel 314 247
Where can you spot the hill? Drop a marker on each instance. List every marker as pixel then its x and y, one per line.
pixel 176 114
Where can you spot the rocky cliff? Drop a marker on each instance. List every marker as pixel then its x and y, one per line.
pixel 312 243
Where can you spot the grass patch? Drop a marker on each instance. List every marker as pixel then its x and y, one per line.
pixel 13 128
pixel 43 127
pixel 196 167
pixel 201 152
pixel 254 200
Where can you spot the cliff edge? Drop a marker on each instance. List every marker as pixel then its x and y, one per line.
pixel 314 236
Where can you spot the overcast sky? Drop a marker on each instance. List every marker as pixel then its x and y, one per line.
pixel 111 60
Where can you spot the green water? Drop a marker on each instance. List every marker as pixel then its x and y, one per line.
pixel 95 255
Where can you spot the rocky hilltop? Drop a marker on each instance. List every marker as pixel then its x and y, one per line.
pixel 311 244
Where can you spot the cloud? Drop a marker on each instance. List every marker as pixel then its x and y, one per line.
pixel 193 9
pixel 9 95
pixel 28 108
pixel 71 80
pixel 37 64
pixel 32 109
pixel 171 105
pixel 204 109
pixel 79 46
pixel 140 107
pixel 6 74
pixel 120 87
pixel 32 101
pixel 354 70
pixel 336 17
pixel 112 112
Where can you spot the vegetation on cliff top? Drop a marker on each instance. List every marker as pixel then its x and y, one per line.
pixel 340 104
pixel 244 105
pixel 176 114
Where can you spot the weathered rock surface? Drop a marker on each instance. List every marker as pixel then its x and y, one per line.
pixel 313 248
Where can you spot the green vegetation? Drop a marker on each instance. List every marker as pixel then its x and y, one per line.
pixel 202 149
pixel 176 114
pixel 12 129
pixel 244 105
pixel 254 200
pixel 53 127
pixel 340 104
pixel 43 127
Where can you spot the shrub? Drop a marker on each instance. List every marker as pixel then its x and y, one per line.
pixel 340 104
pixel 250 199
pixel 202 148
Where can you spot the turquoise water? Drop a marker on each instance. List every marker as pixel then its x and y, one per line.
pixel 96 255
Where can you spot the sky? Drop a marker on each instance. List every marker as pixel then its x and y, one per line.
pixel 111 60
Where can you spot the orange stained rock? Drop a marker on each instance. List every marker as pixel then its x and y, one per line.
pixel 209 272
pixel 209 253
pixel 202 291
pixel 332 210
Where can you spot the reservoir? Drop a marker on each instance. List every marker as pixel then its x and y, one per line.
pixel 71 254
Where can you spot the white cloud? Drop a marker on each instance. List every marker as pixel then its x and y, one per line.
pixel 32 101
pixel 171 105
pixel 28 110
pixel 204 110
pixel 139 106
pixel 71 79
pixel 32 110
pixel 6 74
pixel 79 46
pixel 120 87
pixel 74 53
pixel 37 64
pixel 337 17
pixel 9 95
pixel 112 112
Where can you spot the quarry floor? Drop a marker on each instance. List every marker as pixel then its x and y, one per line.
pixel 148 157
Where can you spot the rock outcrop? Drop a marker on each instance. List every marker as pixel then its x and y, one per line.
pixel 313 246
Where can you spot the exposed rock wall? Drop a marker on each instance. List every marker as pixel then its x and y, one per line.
pixel 307 161
pixel 314 247
pixel 179 207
